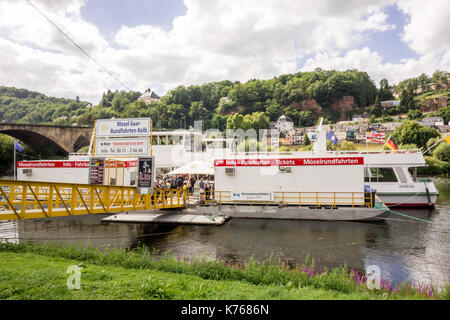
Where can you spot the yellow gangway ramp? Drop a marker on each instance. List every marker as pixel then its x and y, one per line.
pixel 27 200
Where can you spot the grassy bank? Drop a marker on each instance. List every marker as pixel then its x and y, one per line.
pixel 40 272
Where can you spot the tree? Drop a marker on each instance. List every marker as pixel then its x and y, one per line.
pixel 442 152
pixel 174 115
pixel 236 121
pixel 305 119
pixel 197 111
pixel 440 79
pixel 306 140
pixel 445 113
pixel 423 81
pixel 407 101
pixel 385 92
pixel 415 114
pixel 257 121
pixel 410 132
pixel 248 145
pixel 377 110
pixel 273 110
pixel 225 105
pixel 330 145
pixel 219 122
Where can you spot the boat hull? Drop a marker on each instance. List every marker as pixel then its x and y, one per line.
pixel 408 200
pixel 289 213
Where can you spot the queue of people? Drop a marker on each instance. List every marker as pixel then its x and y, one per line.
pixel 187 182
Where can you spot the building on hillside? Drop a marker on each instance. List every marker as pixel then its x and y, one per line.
pixel 361 117
pixel 341 135
pixel 271 138
pixel 287 138
pixel 299 136
pixel 433 105
pixel 444 129
pixel 283 124
pixel 388 104
pixel 385 127
pixel 312 134
pixel 432 121
pixel 351 133
pixel 149 96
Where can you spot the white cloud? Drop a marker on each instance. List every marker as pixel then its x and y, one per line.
pixel 376 21
pixel 240 40
pixel 48 72
pixel 23 24
pixel 428 29
pixel 214 40
pixel 371 62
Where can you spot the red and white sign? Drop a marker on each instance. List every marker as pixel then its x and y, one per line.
pixel 52 164
pixel 347 161
pixel 73 164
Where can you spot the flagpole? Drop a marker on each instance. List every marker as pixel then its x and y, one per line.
pixel 14 159
pixel 439 141
pixel 385 141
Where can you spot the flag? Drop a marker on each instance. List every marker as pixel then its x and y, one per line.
pixel 377 140
pixel 17 146
pixel 332 137
pixel 447 138
pixel 391 144
pixel 374 136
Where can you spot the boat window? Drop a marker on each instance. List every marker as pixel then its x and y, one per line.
pixel 132 178
pixel 401 175
pixel 380 175
pixel 413 172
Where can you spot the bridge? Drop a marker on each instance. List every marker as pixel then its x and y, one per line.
pixel 66 139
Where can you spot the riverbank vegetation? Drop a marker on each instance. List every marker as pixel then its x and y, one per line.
pixel 411 135
pixel 38 271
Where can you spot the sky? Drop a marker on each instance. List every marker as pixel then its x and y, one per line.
pixel 161 44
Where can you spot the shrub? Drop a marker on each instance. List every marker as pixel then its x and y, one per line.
pixel 442 152
pixel 348 145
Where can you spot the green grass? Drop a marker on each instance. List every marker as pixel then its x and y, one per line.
pixel 40 272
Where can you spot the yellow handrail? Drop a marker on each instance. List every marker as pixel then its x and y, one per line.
pixel 306 198
pixel 26 200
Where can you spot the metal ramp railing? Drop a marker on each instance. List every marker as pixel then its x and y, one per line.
pixel 27 200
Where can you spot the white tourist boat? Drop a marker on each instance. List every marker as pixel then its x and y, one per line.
pixel 393 174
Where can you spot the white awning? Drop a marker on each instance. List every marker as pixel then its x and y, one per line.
pixel 195 167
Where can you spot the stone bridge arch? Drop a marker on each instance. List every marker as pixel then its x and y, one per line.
pixel 65 139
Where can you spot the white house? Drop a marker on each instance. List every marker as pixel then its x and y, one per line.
pixel 149 96
pixel 283 124
pixel 432 121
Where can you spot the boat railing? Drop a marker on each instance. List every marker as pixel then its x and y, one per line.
pixel 376 151
pixel 336 152
pixel 281 198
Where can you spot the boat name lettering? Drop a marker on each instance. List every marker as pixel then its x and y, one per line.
pixel 289 162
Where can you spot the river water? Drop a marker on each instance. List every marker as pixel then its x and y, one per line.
pixel 403 248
